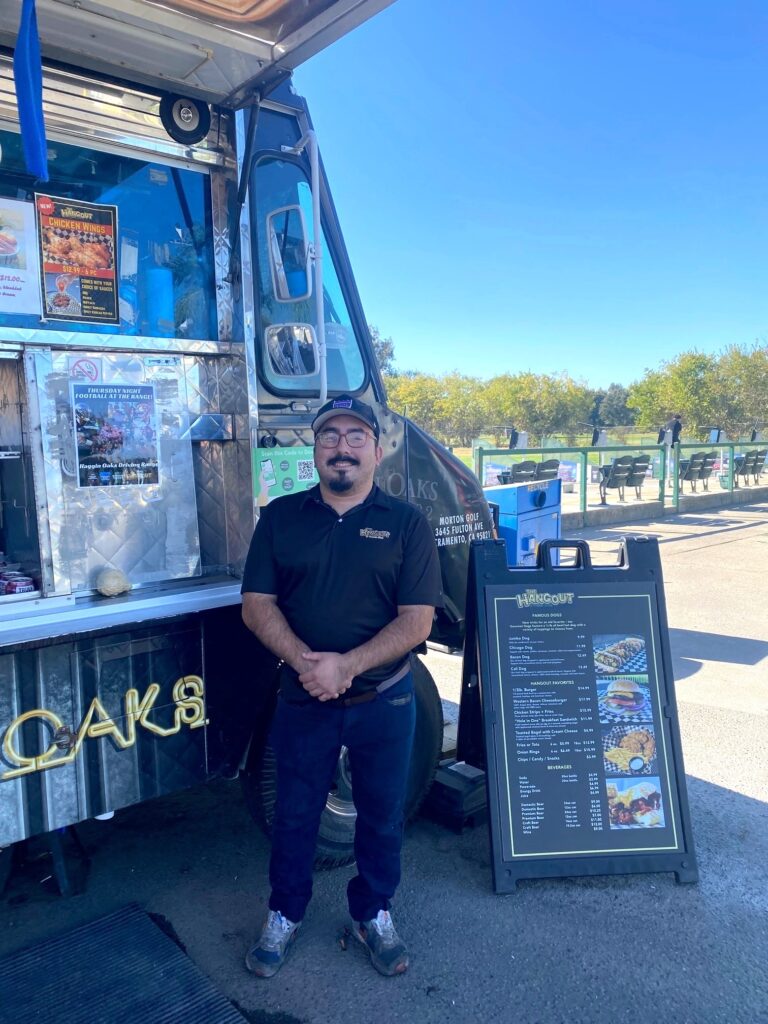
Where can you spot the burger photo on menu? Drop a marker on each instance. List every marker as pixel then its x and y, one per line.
pixel 629 749
pixel 616 653
pixel 624 699
pixel 633 804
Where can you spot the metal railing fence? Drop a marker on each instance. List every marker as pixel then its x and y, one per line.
pixel 665 463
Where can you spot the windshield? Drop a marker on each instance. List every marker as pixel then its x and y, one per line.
pixel 280 184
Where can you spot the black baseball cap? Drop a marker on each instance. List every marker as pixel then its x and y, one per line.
pixel 345 405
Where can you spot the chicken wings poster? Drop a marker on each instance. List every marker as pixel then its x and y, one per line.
pixel 78 267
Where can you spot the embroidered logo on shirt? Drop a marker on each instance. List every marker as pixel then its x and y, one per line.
pixel 374 534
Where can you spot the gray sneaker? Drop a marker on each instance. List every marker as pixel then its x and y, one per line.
pixel 385 947
pixel 268 955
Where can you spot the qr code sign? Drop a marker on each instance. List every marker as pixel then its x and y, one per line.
pixel 305 470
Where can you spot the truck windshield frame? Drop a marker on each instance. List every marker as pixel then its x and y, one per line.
pixel 280 180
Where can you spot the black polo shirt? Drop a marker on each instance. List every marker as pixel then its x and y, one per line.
pixel 339 578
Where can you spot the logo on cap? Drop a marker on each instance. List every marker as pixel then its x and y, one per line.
pixel 342 403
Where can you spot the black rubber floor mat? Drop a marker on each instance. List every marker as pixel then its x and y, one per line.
pixel 121 969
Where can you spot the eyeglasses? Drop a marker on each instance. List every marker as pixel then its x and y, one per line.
pixel 331 438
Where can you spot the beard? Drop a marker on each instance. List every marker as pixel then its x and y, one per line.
pixel 340 483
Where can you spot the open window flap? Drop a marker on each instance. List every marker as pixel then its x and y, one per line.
pixel 217 50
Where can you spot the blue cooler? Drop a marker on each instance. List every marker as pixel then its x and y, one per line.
pixel 528 514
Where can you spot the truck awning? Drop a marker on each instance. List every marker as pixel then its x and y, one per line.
pixel 221 51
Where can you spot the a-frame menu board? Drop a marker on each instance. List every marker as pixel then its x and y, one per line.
pixel 568 702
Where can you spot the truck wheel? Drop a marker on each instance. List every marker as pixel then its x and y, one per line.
pixel 337 827
pixel 6 862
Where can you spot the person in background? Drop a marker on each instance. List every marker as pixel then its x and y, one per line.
pixel 675 424
pixel 341 583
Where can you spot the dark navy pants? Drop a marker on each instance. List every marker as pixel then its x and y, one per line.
pixel 307 737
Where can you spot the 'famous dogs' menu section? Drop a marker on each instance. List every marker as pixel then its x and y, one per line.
pixel 586 752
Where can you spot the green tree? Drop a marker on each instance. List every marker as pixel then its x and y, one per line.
pixel 416 395
pixel 539 403
pixel 691 385
pixel 571 404
pixel 384 350
pixel 647 396
pixel 743 387
pixel 729 390
pixel 461 412
pixel 614 410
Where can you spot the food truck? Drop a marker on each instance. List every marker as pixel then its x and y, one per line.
pixel 176 301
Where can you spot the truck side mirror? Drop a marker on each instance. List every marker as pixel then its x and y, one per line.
pixel 292 350
pixel 289 254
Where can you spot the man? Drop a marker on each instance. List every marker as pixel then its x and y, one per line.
pixel 341 583
pixel 671 432
pixel 675 424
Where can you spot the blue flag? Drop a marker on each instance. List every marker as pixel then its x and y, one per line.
pixel 28 74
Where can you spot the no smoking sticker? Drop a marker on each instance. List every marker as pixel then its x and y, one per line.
pixel 84 369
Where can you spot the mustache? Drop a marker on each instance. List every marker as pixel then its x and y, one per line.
pixel 342 458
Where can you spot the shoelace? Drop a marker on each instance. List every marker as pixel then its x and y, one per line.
pixel 382 923
pixel 278 927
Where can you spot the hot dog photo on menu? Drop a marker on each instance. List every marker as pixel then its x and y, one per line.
pixel 615 652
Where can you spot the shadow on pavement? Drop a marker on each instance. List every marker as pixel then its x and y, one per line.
pixel 604 950
pixel 690 648
pixel 706 525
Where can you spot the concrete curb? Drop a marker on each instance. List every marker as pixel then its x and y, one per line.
pixel 638 511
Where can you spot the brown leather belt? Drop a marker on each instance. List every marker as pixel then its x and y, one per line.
pixel 361 698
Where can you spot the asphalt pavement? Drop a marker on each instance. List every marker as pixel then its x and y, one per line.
pixel 609 949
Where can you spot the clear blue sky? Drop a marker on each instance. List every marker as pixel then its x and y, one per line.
pixel 551 185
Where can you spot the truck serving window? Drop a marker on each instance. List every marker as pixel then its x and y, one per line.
pixel 163 247
pixel 281 184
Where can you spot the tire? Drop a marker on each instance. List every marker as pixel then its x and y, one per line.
pixel 335 841
pixel 6 863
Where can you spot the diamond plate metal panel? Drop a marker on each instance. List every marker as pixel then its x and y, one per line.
pixel 211 503
pixel 202 396
pixel 241 520
pixel 233 385
pixel 222 189
pixel 10 407
pixel 148 531
pixel 222 469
